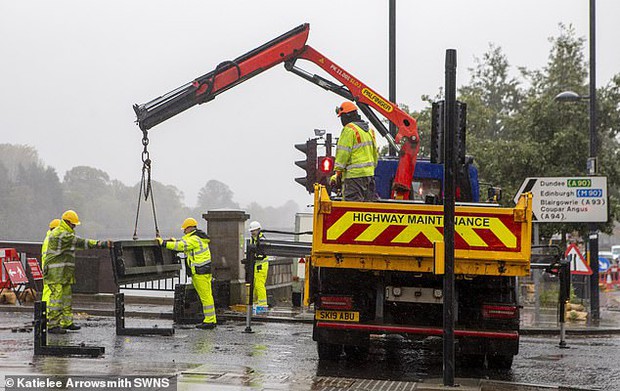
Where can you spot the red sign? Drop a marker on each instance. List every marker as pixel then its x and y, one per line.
pixel 6 254
pixel 578 264
pixel 16 272
pixel 35 269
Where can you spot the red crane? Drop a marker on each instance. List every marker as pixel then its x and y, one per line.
pixel 287 49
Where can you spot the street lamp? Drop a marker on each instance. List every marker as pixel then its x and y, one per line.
pixel 569 96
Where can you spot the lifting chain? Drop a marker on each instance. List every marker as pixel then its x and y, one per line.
pixel 145 185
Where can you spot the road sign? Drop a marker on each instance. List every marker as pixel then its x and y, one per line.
pixel 16 272
pixel 35 269
pixel 567 199
pixel 578 264
pixel 603 264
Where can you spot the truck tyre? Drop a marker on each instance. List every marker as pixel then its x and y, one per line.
pixel 328 351
pixel 471 361
pixel 357 353
pixel 498 361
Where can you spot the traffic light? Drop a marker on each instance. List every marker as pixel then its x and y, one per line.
pixel 325 169
pixel 309 165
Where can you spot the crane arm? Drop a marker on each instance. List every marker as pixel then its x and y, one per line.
pixel 287 49
pixel 225 76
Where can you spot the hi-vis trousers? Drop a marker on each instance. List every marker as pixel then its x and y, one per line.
pixel 260 279
pixel 202 284
pixel 58 298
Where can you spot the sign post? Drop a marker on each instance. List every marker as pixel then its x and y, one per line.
pixel 573 200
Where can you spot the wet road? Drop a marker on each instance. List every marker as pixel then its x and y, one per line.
pixel 283 356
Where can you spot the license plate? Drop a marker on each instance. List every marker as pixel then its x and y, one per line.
pixel 337 316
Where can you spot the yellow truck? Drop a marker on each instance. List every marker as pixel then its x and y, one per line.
pixel 376 268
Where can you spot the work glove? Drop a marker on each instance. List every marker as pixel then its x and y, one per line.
pixel 104 244
pixel 334 180
pixel 160 240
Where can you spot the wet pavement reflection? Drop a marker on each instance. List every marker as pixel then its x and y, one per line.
pixel 283 356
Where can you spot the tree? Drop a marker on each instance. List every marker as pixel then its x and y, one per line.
pixel 214 195
pixel 278 218
pixel 31 193
pixel 493 94
pixel 516 132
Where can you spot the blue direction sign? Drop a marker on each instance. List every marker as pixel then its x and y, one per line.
pixel 603 264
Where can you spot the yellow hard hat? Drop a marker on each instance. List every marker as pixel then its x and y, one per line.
pixel 189 222
pixel 71 217
pixel 54 223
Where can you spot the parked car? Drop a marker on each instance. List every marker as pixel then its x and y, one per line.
pixel 615 252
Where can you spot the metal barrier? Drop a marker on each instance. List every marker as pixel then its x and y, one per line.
pixel 41 347
pixel 141 262
pixel 163 285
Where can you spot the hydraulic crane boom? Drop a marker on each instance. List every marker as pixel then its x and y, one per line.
pixel 287 49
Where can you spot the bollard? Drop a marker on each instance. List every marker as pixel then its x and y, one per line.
pixel 248 305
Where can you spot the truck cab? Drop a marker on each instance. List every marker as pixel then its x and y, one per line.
pixel 428 180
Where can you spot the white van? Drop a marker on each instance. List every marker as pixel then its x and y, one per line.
pixel 615 252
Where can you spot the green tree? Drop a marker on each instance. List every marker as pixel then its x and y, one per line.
pixel 515 131
pixel 31 193
pixel 215 194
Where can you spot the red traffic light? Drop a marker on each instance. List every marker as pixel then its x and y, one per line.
pixel 326 164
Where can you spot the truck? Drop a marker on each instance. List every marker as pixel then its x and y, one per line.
pixel 376 267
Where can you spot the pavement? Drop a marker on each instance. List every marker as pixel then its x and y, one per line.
pixel 542 322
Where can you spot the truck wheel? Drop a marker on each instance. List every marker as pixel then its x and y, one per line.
pixel 356 352
pixel 471 361
pixel 497 361
pixel 328 351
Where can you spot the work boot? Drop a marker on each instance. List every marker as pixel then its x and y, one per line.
pixel 72 327
pixel 206 326
pixel 57 330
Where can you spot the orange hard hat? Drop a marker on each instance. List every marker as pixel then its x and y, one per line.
pixel 345 107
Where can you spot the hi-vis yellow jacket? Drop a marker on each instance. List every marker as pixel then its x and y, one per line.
pixel 356 151
pixel 62 243
pixel 196 246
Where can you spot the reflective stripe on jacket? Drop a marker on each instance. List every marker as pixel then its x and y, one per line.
pixel 44 247
pixel 260 258
pixel 195 245
pixel 62 244
pixel 356 151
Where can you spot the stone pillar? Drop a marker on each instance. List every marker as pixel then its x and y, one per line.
pixel 225 228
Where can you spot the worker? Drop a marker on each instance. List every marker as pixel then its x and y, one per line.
pixel 356 156
pixel 195 245
pixel 261 267
pixel 59 271
pixel 46 290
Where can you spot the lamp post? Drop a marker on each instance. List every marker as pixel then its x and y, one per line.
pixel 592 166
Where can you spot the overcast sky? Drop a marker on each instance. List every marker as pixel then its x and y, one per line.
pixel 71 71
